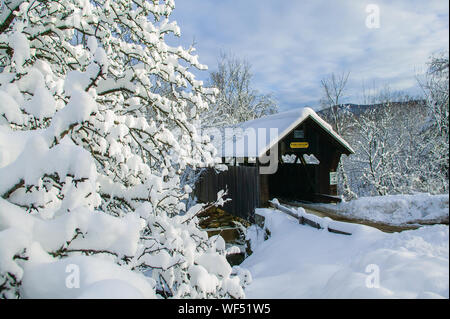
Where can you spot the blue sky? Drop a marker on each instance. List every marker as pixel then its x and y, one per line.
pixel 292 45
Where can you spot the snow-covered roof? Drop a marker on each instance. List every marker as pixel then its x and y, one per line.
pixel 253 138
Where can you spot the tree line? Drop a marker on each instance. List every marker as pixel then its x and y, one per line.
pixel 400 141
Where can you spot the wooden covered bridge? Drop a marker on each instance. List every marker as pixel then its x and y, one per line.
pixel 292 155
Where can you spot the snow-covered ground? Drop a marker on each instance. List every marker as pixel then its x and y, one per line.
pixel 298 261
pixel 396 209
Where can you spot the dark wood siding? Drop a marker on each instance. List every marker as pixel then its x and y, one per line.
pixel 242 183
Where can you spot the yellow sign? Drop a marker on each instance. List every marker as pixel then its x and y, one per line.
pixel 299 145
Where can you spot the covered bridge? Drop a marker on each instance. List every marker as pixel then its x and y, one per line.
pixel 291 155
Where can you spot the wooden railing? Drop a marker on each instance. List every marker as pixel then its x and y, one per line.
pixel 305 220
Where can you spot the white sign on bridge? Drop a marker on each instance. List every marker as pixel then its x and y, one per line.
pixel 333 178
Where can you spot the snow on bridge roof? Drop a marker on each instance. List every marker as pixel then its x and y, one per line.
pixel 253 138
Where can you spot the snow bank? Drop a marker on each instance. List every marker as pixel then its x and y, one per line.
pixel 302 262
pixel 396 209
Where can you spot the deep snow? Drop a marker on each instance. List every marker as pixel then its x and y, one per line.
pixel 298 261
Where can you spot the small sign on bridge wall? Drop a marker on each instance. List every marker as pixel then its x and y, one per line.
pixel 299 145
pixel 333 178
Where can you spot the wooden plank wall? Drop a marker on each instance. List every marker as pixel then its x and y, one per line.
pixel 243 187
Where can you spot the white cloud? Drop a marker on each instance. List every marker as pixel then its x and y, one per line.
pixel 293 44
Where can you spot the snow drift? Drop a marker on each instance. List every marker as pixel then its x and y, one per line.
pixel 396 209
pixel 302 262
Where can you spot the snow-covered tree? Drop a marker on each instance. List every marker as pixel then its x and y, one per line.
pixel 376 148
pixel 436 130
pixel 92 153
pixel 388 142
pixel 237 100
pixel 339 117
pixel 401 142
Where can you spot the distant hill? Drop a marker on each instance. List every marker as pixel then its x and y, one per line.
pixel 358 109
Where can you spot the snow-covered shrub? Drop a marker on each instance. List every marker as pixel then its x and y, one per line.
pixel 400 141
pixel 237 100
pixel 436 129
pixel 398 149
pixel 91 154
